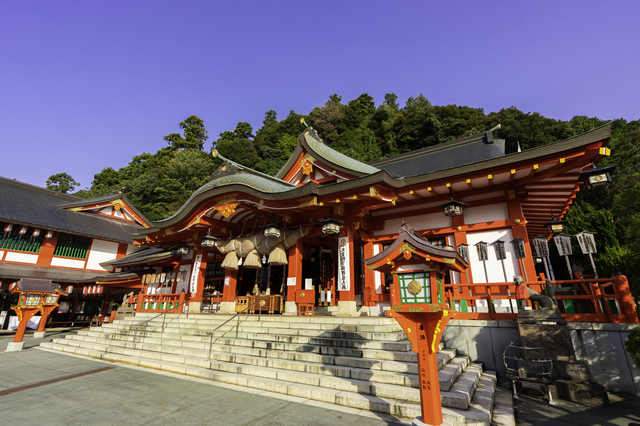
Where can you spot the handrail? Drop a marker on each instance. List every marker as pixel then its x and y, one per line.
pixel 165 312
pixel 211 341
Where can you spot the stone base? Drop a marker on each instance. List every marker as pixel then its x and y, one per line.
pixel 120 316
pixel 14 346
pixel 587 393
pixel 227 307
pixel 418 422
pixel 290 308
pixel 347 308
pixel 195 307
pixel 38 334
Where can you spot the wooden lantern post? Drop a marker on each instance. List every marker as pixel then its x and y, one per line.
pixel 418 304
pixel 35 295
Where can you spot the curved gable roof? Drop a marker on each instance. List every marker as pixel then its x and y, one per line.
pixel 309 142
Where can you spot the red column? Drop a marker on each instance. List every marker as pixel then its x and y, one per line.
pixel 46 250
pixel 229 291
pixel 369 277
pixel 295 270
pixel 626 299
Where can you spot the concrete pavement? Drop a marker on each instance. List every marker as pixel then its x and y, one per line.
pixel 42 387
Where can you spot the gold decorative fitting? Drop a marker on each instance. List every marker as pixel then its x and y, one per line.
pixel 414 287
pixel 406 246
pixel 311 201
pixel 227 210
pixel 459 228
pixel 414 309
pixel 517 221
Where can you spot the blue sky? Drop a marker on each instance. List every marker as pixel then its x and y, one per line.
pixel 87 85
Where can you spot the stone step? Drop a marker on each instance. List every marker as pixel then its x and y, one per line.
pixel 343 332
pixel 322 341
pixel 212 318
pixel 403 359
pixel 394 400
pixel 387 372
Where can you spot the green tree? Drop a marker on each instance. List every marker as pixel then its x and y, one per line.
pixel 194 135
pixel 61 182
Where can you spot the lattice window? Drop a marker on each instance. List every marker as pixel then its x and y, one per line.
pixel 72 246
pixel 12 239
pixel 422 280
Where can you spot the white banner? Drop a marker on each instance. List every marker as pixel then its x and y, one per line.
pixel 344 272
pixel 291 281
pixel 194 274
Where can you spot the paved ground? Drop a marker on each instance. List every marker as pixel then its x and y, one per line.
pixel 42 387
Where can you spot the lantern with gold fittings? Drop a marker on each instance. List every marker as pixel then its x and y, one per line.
pixel 419 304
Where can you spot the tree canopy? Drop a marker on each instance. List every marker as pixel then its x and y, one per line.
pixel 61 182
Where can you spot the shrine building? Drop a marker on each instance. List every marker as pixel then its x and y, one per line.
pixel 310 227
pixel 63 239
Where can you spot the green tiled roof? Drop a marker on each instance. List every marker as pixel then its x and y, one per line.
pixel 338 159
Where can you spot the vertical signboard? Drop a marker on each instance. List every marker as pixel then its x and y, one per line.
pixel 344 273
pixel 193 287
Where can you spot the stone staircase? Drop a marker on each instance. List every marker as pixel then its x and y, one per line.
pixel 362 362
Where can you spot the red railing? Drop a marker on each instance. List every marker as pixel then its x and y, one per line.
pixel 592 300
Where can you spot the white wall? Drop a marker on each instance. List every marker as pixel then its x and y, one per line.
pixel 21 257
pixel 494 266
pixel 101 251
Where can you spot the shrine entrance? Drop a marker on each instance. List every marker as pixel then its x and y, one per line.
pixel 319 269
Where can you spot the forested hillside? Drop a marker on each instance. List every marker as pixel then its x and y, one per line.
pixel 158 184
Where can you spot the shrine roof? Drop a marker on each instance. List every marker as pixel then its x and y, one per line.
pixel 72 276
pixel 105 199
pixel 443 156
pixel 30 205
pixel 408 235
pixel 153 254
pixel 229 175
pixel 310 141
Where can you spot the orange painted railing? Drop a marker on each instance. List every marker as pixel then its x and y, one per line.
pixel 160 302
pixel 593 300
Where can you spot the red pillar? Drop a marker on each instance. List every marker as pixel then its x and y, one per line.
pixel 369 277
pixel 626 299
pixel 229 291
pixel 294 270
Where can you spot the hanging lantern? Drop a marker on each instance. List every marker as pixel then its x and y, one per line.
pixel 555 226
pixel 69 289
pixel 331 226
pixel 597 177
pixel 498 246
pixel 483 253
pixel 453 208
pixel 540 247
pixel 99 289
pixel 181 250
pixel 587 242
pixel 49 234
pixel 463 251
pixel 36 232
pixel 208 241
pixel 8 228
pixel 23 230
pixel 85 290
pixel 518 248
pixel 563 244
pixel 272 231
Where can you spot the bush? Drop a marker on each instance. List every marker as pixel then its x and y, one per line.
pixel 633 347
